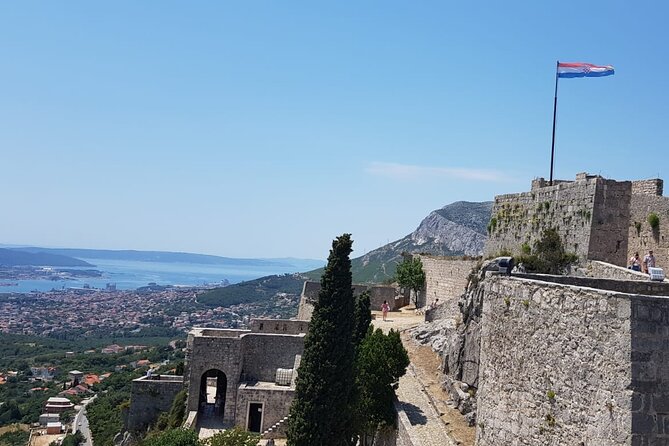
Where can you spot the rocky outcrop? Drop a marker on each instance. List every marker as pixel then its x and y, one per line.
pixel 455 230
pixel 458 341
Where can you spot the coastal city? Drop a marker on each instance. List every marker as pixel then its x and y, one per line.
pixel 168 311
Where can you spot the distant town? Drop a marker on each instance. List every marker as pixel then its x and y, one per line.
pixel 153 311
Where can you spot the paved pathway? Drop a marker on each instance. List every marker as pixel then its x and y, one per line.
pixel 427 428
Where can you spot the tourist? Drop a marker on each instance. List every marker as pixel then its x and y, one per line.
pixel 385 308
pixel 648 261
pixel 635 262
pixel 434 304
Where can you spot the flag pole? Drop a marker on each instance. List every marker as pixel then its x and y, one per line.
pixel 554 114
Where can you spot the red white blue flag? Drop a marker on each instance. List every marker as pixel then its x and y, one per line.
pixel 580 69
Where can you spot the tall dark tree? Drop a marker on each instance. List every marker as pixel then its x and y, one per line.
pixel 381 361
pixel 318 415
pixel 363 317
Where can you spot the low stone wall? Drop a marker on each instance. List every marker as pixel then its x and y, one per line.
pixel 603 270
pixel 445 278
pixel 151 396
pixel 377 294
pixel 622 286
pixel 572 365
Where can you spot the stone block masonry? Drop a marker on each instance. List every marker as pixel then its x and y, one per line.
pixel 642 237
pixel 377 294
pixel 591 215
pixel 573 365
pixel 445 278
pixel 150 397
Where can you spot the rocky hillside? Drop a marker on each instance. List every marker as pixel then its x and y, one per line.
pixel 456 229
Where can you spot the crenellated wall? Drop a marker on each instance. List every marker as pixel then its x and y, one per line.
pixel 591 214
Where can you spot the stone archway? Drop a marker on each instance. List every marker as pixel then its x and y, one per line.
pixel 212 392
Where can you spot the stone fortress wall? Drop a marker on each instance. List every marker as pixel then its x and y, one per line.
pixel 150 397
pixel 568 364
pixel 445 278
pixel 597 218
pixel 377 294
pixel 646 199
pixel 590 214
pixel 246 358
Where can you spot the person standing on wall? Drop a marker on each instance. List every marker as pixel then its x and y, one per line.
pixel 648 261
pixel 635 262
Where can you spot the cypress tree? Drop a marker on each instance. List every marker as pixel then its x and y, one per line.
pixel 362 318
pixel 319 415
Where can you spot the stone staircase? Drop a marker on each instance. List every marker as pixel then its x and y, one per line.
pixel 277 430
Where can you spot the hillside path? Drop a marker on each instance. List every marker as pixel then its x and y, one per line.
pixel 427 426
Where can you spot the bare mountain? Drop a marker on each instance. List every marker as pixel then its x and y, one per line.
pixel 454 230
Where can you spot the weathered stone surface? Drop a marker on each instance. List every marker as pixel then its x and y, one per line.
pixel 446 279
pixel 591 214
pixel 566 365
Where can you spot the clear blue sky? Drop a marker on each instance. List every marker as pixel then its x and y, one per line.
pixel 264 129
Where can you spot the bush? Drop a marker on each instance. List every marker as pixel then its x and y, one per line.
pixel 654 221
pixel 234 437
pixel 549 256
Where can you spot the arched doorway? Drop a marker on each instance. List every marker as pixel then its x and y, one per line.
pixel 213 385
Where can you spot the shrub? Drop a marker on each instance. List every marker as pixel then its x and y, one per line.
pixel 637 225
pixel 525 248
pixel 550 394
pixel 654 221
pixel 492 225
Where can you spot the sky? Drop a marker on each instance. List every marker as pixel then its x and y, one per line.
pixel 267 128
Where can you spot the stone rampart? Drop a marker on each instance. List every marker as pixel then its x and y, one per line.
pixel 149 397
pixel 642 237
pixel 604 270
pixel 653 186
pixel 569 365
pixel 445 278
pixel 591 215
pixel 522 218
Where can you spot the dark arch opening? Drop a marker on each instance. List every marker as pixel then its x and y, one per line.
pixel 213 385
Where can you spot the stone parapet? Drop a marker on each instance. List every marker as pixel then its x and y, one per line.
pixel 149 397
pixel 567 363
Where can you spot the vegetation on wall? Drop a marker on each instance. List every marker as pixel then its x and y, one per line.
pixel 654 221
pixel 548 255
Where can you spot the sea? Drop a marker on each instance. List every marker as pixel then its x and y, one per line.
pixel 130 275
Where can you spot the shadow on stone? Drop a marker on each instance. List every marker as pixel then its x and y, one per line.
pixel 414 413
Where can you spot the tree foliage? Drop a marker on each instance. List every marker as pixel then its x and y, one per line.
pixel 381 361
pixel 548 255
pixel 318 415
pixel 234 437
pixel 410 275
pixel 172 437
pixel 362 317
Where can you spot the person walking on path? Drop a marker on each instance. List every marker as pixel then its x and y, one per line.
pixel 649 261
pixel 385 308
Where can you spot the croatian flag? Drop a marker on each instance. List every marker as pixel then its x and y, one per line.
pixel 579 69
